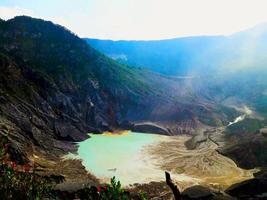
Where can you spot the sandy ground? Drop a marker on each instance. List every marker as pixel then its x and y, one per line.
pixel 205 165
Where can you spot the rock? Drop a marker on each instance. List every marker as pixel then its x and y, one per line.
pixel 68 132
pixel 126 125
pixel 263 131
pixel 3 100
pixel 197 192
pixel 149 127
pixel 248 150
pixel 253 188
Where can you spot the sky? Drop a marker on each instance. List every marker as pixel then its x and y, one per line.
pixel 143 19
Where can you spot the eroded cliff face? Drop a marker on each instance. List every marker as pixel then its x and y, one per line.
pixel 31 116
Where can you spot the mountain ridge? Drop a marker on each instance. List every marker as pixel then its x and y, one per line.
pixel 190 55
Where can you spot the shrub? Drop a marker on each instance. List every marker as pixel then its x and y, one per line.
pixel 20 184
pixel 112 191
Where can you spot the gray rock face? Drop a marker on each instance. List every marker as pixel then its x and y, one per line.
pixel 45 119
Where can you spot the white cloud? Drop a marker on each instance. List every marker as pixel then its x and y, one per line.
pixel 10 12
pixel 156 19
pixel 146 19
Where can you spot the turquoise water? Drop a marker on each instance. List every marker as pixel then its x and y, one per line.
pixel 122 156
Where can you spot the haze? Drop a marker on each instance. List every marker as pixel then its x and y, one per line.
pixel 143 19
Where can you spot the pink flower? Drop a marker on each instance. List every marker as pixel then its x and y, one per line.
pixel 98 188
pixel 26 168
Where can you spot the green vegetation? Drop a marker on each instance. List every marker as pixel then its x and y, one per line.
pixel 112 191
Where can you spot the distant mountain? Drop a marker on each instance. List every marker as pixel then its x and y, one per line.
pixel 171 57
pixel 191 55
